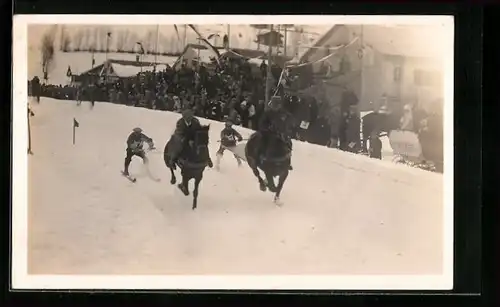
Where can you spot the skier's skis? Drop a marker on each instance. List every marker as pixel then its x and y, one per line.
pixel 131 178
pixel 152 177
pixel 156 179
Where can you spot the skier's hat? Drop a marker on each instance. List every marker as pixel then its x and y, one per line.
pixel 137 130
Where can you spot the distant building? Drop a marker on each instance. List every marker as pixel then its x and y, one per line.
pixel 194 53
pixel 112 70
pixel 401 62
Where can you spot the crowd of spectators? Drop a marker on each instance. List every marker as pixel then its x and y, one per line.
pixel 234 89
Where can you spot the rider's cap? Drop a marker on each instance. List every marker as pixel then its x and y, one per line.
pixel 137 130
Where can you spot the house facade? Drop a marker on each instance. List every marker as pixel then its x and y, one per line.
pixel 391 63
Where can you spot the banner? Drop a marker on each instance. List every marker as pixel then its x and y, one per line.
pixel 406 144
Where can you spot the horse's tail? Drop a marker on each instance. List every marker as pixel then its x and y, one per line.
pixel 166 157
pixel 172 145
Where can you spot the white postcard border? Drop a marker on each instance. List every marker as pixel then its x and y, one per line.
pixel 22 280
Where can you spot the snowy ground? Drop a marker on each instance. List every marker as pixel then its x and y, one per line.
pixel 343 213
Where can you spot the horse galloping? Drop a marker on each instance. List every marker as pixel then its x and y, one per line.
pixel 275 162
pixel 192 160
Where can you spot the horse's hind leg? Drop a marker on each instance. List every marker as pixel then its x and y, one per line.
pixel 281 182
pixel 270 183
pixel 197 181
pixel 173 180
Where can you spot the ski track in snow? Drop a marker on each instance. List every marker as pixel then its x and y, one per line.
pixel 343 213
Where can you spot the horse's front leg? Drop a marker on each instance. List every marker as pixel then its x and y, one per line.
pixel 270 182
pixel 183 186
pixel 256 172
pixel 173 180
pixel 281 182
pixel 262 183
pixel 197 181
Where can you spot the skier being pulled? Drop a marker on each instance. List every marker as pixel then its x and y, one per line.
pixel 228 138
pixel 135 143
pixel 184 135
pixel 275 120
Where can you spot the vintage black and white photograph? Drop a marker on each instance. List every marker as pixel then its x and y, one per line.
pixel 233 152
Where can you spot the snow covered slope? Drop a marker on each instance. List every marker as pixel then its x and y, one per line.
pixel 342 213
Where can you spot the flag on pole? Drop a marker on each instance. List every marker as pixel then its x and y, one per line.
pixel 68 72
pixel 207 44
pixel 75 125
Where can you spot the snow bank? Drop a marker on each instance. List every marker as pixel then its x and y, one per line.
pixel 343 213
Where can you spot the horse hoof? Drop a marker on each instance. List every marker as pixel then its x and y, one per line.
pixel 183 190
pixel 273 189
pixel 263 188
pixel 172 181
pixel 278 202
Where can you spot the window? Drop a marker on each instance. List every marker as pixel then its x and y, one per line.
pixel 426 78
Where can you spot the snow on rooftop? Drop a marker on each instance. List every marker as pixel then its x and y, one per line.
pixel 125 71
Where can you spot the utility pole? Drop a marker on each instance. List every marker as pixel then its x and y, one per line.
pixel 156 43
pixel 285 40
pixel 269 62
pixel 185 36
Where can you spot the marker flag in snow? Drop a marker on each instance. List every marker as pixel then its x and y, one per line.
pixel 68 72
pixel 75 125
pixel 207 44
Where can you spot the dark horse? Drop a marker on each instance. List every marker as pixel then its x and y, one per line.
pixel 275 162
pixel 192 161
pixel 380 122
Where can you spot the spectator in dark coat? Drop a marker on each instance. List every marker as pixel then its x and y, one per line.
pixel 36 88
pixel 353 131
pixel 375 146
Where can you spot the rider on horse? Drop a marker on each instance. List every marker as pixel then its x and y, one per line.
pixel 276 120
pixel 184 133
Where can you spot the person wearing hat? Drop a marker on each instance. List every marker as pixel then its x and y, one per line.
pixel 36 88
pixel 184 131
pixel 275 120
pixel 406 121
pixel 228 138
pixel 135 143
